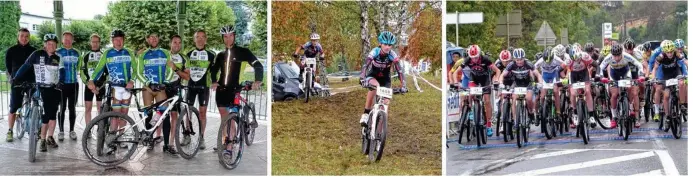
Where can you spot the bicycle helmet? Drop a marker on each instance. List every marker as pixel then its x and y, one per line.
pixel 50 37
pixel 518 53
pixel 584 56
pixel 678 43
pixel 616 49
pixel 589 47
pixel 227 30
pixel 668 46
pixel 629 44
pixel 387 38
pixel 504 55
pixel 577 46
pixel 474 51
pixel 560 50
pixel 117 33
pixel 314 36
pixel 538 56
pixel 647 46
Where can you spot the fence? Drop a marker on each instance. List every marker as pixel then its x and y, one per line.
pixel 259 98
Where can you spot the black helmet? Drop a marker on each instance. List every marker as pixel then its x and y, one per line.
pixel 538 56
pixel 50 37
pixel 589 47
pixel 629 44
pixel 616 49
pixel 117 33
pixel 547 53
pixel 647 46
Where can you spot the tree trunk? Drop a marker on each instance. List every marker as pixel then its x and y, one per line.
pixel 365 36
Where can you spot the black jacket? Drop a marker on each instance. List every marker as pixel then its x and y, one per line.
pixel 16 56
pixel 230 67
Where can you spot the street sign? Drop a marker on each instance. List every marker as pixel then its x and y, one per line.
pixel 606 30
pixel 464 18
pixel 545 35
pixel 614 36
pixel 509 25
pixel 564 36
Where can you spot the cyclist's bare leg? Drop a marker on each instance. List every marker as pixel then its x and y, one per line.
pixel 657 98
pixel 665 103
pixel 371 94
pixel 542 94
pixel 635 101
pixel 11 117
pixel 513 109
pixel 556 101
pixel 614 97
pixel 588 97
pixel 87 112
pixel 203 118
pixel 51 128
pixel 223 113
pixel 683 93
pixel 487 109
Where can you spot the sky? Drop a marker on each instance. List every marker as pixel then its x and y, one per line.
pixel 73 9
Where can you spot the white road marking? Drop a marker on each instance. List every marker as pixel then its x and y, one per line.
pixel 667 162
pixel 585 164
pixel 557 153
pixel 651 173
pixel 606 149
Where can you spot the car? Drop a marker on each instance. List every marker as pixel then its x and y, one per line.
pixel 285 83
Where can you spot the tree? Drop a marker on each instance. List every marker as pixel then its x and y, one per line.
pixel 258 45
pixel 140 18
pixel 9 16
pixel 81 30
pixel 241 24
pixel 422 42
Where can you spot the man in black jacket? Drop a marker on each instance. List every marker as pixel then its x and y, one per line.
pixel 14 58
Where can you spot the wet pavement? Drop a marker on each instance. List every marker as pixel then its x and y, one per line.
pixel 69 158
pixel 648 151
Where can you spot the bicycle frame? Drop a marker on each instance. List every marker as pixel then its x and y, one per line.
pixel 382 100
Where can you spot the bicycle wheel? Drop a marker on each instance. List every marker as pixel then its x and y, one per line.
pixel 647 113
pixel 462 126
pixel 248 119
pixel 308 86
pixel 604 115
pixel 482 117
pixel 582 125
pixel 479 131
pixel 19 128
pixel 118 143
pixel 508 128
pixel 34 120
pixel 676 126
pixel 519 107
pixel 188 132
pixel 377 145
pixel 498 120
pixel 545 126
pixel 226 157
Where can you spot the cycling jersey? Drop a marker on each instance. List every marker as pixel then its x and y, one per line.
pixel 549 71
pixel 69 58
pixel 466 70
pixel 520 73
pixel 507 80
pixel 179 61
pixel 45 67
pixel 87 64
pixel 378 65
pixel 199 61
pixel 228 63
pixel 118 64
pixel 479 70
pixel 310 50
pixel 151 66
pixel 620 67
pixel 669 67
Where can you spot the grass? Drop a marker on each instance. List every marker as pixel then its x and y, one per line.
pixel 4 84
pixel 338 83
pixel 322 137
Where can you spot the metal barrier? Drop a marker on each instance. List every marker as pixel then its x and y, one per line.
pixel 259 98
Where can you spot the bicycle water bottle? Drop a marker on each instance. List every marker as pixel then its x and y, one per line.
pixel 156 117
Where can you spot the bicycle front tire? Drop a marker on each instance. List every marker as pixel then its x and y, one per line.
pixel 35 119
pixel 221 142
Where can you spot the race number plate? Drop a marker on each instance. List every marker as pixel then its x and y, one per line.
pixel 579 85
pixel 476 90
pixel 520 90
pixel 310 61
pixel 384 92
pixel 624 83
pixel 464 93
pixel 547 86
pixel 507 91
pixel 672 82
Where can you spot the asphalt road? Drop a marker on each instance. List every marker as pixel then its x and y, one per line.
pixel 648 152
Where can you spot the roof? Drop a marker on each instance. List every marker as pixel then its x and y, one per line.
pixel 40 16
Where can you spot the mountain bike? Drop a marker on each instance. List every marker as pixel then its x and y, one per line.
pixel 505 113
pixel 581 106
pixel 478 113
pixel 625 117
pixel 117 139
pixel 374 135
pixel 548 112
pixel 308 75
pixel 236 128
pixel 563 122
pixel 601 104
pixel 34 113
pixel 21 125
pixel 523 125
pixel 675 117
pixel 465 122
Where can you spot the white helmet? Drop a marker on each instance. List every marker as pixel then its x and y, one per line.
pixel 314 36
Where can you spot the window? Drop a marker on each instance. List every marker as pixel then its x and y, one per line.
pixel 34 27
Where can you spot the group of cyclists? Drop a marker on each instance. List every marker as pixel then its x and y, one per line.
pixel 563 65
pixel 161 71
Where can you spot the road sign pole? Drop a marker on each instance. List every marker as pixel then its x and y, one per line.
pixel 507 29
pixel 457 29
